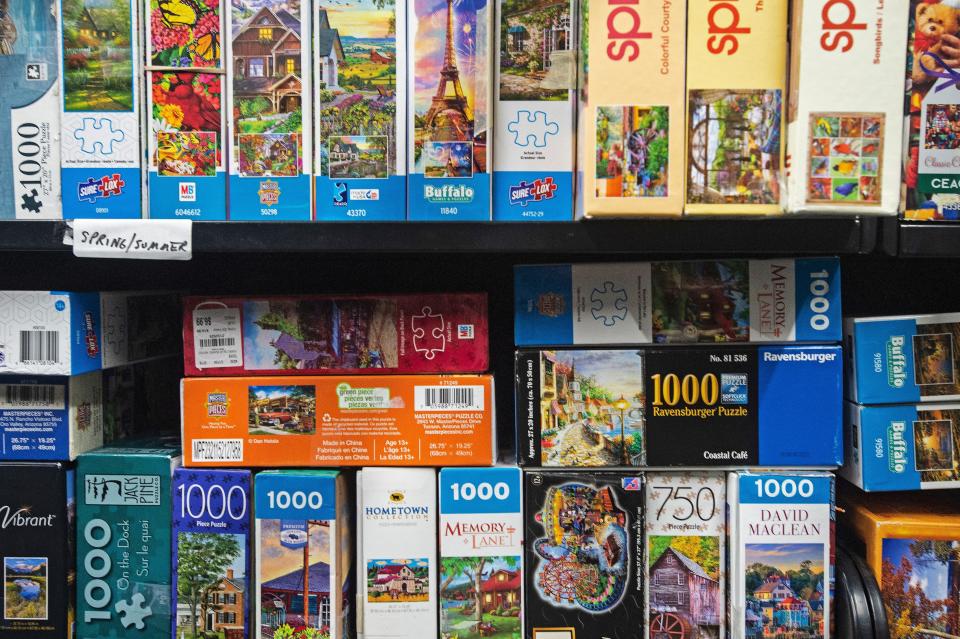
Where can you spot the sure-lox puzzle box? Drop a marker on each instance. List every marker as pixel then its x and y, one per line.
pixel 845 145
pixel 680 406
pixel 707 301
pixel 389 420
pixel 30 112
pixel 736 85
pixel 631 132
pixel 335 334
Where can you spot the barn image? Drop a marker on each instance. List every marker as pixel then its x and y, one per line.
pixel 684 599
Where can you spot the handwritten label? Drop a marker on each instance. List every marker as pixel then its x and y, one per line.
pixel 133 239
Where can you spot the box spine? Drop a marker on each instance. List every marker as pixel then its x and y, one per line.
pixel 528 393
pixel 101 158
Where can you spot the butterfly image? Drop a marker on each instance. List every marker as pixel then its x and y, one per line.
pixel 179 12
pixel 207 47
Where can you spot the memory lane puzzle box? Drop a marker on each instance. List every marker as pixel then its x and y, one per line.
pixel 903 359
pixel 124 539
pixel 736 85
pixel 269 96
pixel 535 112
pixel 844 145
pixel 680 406
pixel 360 119
pixel 388 420
pixel 707 301
pixel 449 124
pixel 100 153
pixel 30 112
pixel 359 334
pixel 631 133
pixel 212 541
pixel 37 548
pixel 186 139
pixel 583 539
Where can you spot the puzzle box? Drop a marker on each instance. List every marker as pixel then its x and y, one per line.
pixel 736 97
pixel 186 152
pixel 100 154
pixel 354 334
pixel 388 420
pixel 124 539
pixel 37 548
pixel 706 301
pixel 584 576
pixel 535 102
pixel 680 406
pixel 30 112
pixel 449 126
pixel 360 62
pixel 270 93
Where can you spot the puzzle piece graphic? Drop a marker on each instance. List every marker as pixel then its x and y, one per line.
pixel 98 132
pixel 30 202
pixel 609 305
pixel 428 333
pixel 532 128
pixel 133 612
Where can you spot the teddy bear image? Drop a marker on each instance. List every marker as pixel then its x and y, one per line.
pixel 933 20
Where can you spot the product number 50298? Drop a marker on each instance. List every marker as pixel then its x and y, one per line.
pixel 670 389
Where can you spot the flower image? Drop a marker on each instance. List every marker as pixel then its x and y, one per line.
pixel 185 33
pixel 172 114
pixel 186 120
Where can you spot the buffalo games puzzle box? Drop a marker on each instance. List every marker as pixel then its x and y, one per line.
pixel 335 334
pixel 845 145
pixel 584 573
pixel 388 420
pixel 736 89
pixel 37 548
pixel 706 301
pixel 124 539
pixel 631 131
pixel 680 406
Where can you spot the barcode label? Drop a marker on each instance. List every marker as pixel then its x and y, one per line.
pixel 39 347
pixel 41 396
pixel 217 450
pixel 217 342
pixel 438 398
pixel 217 338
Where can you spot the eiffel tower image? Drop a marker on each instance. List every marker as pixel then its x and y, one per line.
pixel 449 99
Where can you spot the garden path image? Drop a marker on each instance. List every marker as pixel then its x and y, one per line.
pixel 97 58
pixel 537 61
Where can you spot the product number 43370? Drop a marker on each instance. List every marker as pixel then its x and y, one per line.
pixel 670 389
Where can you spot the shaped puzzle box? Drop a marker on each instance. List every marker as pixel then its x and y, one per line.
pixel 30 111
pixel 584 576
pixel 333 334
pixel 707 301
pixel 100 153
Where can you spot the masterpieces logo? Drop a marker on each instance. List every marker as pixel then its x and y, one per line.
pixel 217 404
pixel 92 190
pixel 448 193
pixel 269 192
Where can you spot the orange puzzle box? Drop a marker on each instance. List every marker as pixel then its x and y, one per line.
pixel 369 420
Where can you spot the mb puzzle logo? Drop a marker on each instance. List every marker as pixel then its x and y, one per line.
pixel 428 333
pixel 608 305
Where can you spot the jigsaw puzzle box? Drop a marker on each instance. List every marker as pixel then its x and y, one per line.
pixel 397 540
pixel 186 139
pixel 902 446
pixel 100 154
pixel 269 97
pixel 903 359
pixel 844 144
pixel 211 552
pixel 481 551
pixel 736 95
pixel 449 123
pixel 62 333
pixel 535 110
pixel 680 406
pixel 124 539
pixel 37 548
pixel 781 528
pixel 631 130
pixel 356 334
pixel 708 301
pixel 388 420
pixel 303 547
pixel 685 555
pixel 30 112
pixel 360 119
pixel 584 576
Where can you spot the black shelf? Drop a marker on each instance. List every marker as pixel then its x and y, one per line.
pixel 688 236
pixel 920 239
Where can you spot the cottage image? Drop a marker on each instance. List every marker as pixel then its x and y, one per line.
pixel 537 61
pixel 222 612
pixel 785 594
pixel 480 597
pixel 97 55
pixel 211 586
pixel 685 597
pixel 398 580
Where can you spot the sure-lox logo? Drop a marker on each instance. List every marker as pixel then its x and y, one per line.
pixel 107 186
pixel 536 191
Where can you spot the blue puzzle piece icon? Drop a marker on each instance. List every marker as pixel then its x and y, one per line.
pixel 608 305
pixel 98 132
pixel 532 128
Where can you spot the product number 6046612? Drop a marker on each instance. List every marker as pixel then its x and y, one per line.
pixel 297 499
pixel 819 304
